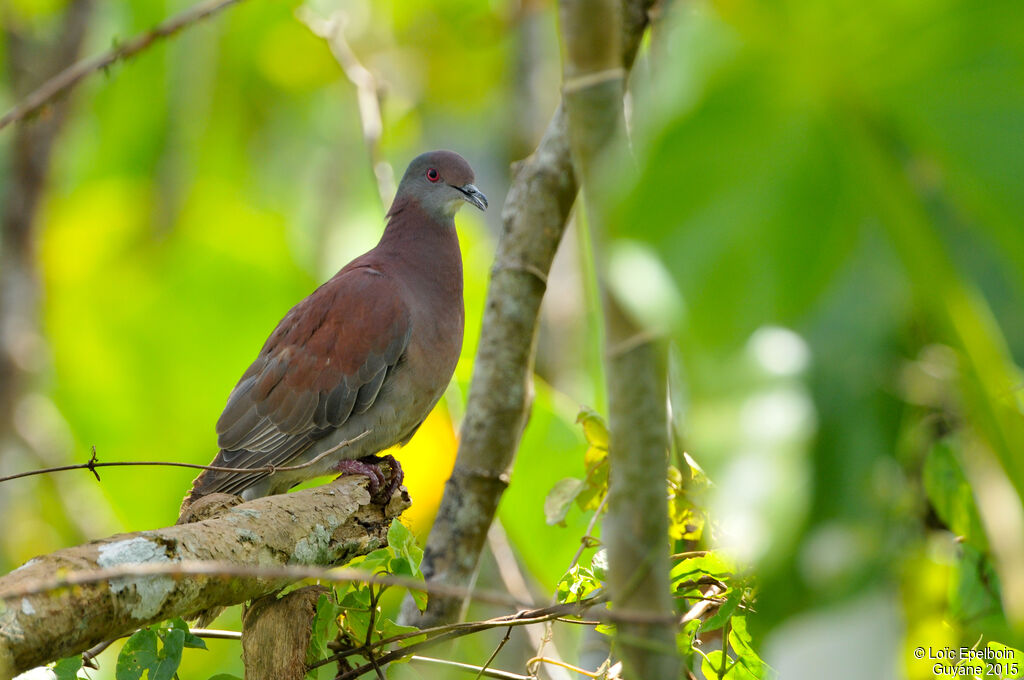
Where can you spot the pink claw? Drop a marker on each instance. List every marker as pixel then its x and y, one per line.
pixel 369 467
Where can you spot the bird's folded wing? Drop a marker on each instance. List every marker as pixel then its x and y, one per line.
pixel 327 359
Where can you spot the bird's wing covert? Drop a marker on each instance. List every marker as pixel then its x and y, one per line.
pixel 328 358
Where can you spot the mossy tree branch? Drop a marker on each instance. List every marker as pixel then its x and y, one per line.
pixel 325 526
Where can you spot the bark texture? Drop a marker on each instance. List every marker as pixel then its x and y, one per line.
pixel 276 634
pixel 324 526
pixel 534 218
pixel 636 526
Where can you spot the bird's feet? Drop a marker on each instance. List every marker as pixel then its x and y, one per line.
pixel 370 467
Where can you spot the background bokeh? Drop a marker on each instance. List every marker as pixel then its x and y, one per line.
pixel 826 214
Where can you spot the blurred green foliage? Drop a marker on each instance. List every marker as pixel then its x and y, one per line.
pixel 834 191
pixel 826 214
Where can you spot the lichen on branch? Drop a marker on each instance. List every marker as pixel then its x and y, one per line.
pixel 324 526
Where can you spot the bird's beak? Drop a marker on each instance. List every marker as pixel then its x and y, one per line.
pixel 473 195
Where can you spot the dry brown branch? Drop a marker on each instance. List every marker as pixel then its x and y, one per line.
pixel 332 30
pixel 62 603
pixel 534 217
pixel 72 75
pixel 453 631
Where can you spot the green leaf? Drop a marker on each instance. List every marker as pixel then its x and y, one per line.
pixel 404 544
pixel 556 505
pixel 595 485
pixel 374 562
pixel 733 597
pixel 169 657
pixel 712 564
pixel 594 456
pixel 974 589
pixel 1007 654
pixel 224 676
pixel 138 655
pixel 67 669
pixel 749 664
pixel 685 639
pixel 354 619
pixel 711 664
pixel 577 584
pixel 389 628
pixel 191 641
pixel 325 627
pixel 950 494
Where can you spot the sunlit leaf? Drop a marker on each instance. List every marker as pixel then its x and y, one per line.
pixel 599 564
pixel 579 583
pixel 401 540
pixel 594 428
pixel 733 598
pixel 748 662
pixel 712 564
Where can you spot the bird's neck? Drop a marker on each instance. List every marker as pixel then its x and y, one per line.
pixel 427 245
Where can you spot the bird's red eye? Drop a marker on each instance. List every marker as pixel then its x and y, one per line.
pixel 432 175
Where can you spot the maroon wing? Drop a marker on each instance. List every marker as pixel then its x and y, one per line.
pixel 326 360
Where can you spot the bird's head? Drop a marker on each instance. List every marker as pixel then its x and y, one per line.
pixel 440 181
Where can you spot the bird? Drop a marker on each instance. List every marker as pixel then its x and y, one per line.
pixel 355 367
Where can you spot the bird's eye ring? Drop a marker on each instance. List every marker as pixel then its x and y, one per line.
pixel 432 175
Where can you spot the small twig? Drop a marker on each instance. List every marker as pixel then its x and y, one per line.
pixel 522 618
pixel 490 659
pixel 367 95
pixel 515 583
pixel 725 648
pixel 585 541
pixel 537 660
pixel 72 75
pixel 214 634
pixel 89 655
pixel 698 609
pixel 689 553
pixel 470 668
pixel 459 630
pixel 93 464
pixel 702 581
pixel 374 597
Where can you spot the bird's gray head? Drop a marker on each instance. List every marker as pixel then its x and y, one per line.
pixel 439 181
